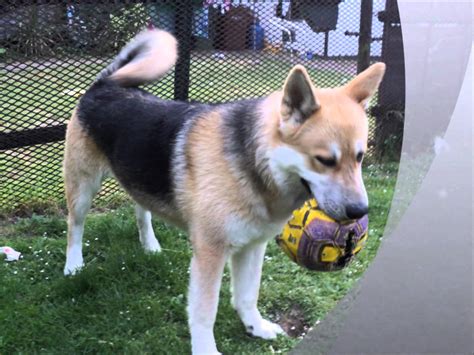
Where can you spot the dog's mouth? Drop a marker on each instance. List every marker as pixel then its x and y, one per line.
pixel 332 211
pixel 306 185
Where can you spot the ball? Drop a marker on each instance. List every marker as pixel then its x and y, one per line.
pixel 317 242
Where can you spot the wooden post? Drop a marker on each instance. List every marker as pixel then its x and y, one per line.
pixel 365 35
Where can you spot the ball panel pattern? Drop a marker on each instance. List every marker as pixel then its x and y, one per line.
pixel 316 241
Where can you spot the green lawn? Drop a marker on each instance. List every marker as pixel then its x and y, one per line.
pixel 125 301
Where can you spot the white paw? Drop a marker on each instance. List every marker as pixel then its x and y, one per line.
pixel 202 339
pixel 72 268
pixel 264 329
pixel 205 348
pixel 74 262
pixel 152 248
pixel 151 244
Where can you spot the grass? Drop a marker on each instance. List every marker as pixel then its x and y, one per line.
pixel 125 301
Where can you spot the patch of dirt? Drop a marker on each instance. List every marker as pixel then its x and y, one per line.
pixel 293 322
pixel 23 211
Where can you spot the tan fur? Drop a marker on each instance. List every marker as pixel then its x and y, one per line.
pixel 340 118
pixel 336 109
pixel 313 137
pixel 362 87
pixel 81 149
pixel 212 191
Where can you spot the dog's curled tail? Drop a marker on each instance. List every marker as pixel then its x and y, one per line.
pixel 145 58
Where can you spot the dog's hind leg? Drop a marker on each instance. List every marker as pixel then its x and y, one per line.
pixel 84 170
pixel 246 270
pixel 80 194
pixel 145 230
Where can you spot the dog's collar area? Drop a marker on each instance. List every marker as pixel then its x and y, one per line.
pixel 306 185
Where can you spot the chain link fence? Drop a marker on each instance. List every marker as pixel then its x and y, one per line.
pixel 51 51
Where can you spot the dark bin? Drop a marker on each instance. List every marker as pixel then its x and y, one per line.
pixel 321 15
pixel 235 28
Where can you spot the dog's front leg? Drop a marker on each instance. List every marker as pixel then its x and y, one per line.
pixel 246 267
pixel 207 266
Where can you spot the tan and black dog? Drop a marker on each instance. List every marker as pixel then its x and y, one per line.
pixel 229 174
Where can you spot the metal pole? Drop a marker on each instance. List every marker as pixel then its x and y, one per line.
pixel 365 35
pixel 183 12
pixel 326 44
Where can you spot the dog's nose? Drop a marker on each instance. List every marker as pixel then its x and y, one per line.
pixel 356 211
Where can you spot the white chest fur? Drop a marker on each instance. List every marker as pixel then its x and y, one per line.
pixel 242 232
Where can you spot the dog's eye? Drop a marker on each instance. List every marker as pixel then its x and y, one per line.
pixel 329 162
pixel 359 157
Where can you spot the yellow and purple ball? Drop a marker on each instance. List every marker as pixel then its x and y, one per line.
pixel 316 241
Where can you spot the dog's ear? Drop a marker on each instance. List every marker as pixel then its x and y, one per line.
pixel 364 85
pixel 298 102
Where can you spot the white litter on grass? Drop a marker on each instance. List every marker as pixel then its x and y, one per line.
pixel 10 253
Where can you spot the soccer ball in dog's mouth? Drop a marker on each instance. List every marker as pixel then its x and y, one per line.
pixel 317 242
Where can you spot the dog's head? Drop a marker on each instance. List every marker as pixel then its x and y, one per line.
pixel 322 139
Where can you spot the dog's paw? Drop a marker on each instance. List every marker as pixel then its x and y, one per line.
pixel 150 244
pixel 152 247
pixel 206 351
pixel 74 262
pixel 264 329
pixel 72 269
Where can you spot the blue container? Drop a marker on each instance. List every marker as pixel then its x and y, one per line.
pixel 257 34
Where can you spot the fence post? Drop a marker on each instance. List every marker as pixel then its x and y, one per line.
pixel 365 35
pixel 390 109
pixel 183 33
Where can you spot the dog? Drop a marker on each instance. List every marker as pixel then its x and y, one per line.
pixel 229 174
